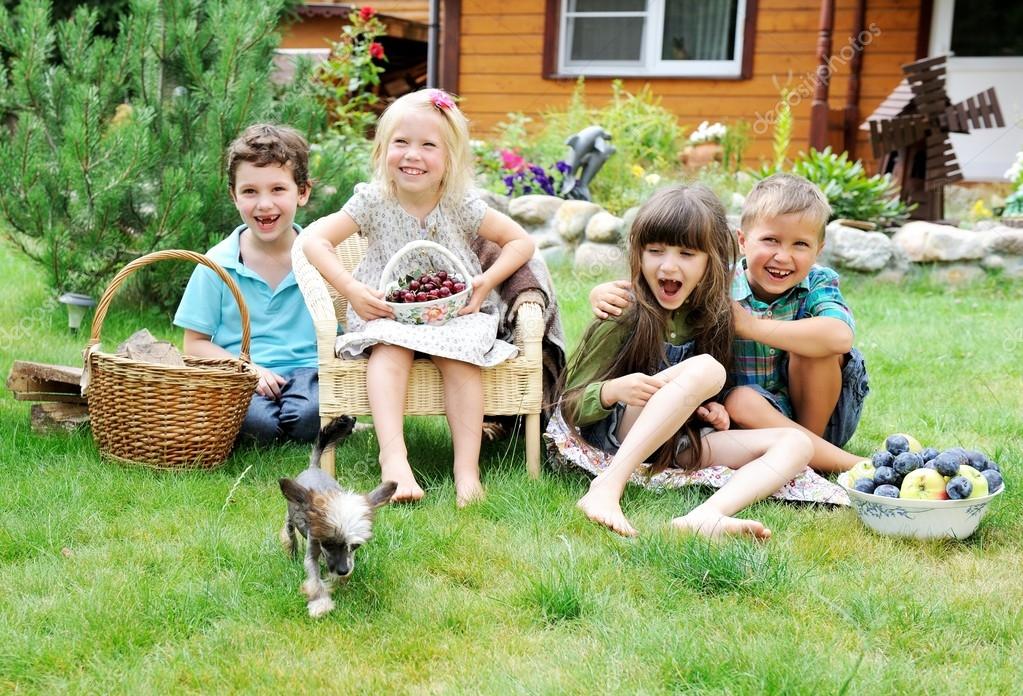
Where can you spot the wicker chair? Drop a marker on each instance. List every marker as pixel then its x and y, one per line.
pixel 512 388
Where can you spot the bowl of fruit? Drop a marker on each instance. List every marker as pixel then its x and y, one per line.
pixel 910 491
pixel 426 297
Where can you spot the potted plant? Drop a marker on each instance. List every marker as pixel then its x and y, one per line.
pixel 704 145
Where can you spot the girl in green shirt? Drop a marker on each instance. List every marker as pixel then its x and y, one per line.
pixel 643 384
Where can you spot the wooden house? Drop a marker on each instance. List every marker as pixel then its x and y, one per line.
pixel 729 60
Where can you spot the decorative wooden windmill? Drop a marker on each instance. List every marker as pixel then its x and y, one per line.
pixel 909 134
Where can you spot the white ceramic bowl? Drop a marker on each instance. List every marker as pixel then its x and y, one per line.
pixel 920 519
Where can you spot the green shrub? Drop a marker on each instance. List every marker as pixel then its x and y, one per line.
pixel 119 141
pixel 851 193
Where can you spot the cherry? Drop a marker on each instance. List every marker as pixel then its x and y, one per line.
pixel 414 285
pixel 422 297
pixel 459 287
pixel 409 297
pixel 443 275
pixel 447 284
pixel 444 291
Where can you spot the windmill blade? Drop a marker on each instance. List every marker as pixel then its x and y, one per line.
pixel 896 133
pixel 942 166
pixel 979 111
pixel 927 80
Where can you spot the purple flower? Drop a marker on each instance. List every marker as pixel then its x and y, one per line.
pixel 562 166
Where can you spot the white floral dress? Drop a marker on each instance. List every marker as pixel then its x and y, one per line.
pixel 388 227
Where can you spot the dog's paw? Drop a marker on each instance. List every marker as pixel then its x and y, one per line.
pixel 312 588
pixel 286 541
pixel 320 606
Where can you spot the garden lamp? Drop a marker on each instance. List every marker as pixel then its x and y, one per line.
pixel 77 306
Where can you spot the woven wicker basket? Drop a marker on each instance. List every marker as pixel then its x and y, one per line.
pixel 162 416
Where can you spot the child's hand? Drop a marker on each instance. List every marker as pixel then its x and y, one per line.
pixel 715 415
pixel 270 383
pixel 367 302
pixel 742 320
pixel 476 298
pixel 611 299
pixel 632 390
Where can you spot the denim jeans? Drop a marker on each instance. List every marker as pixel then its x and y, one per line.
pixel 293 416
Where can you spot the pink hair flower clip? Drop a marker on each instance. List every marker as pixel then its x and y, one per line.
pixel 442 100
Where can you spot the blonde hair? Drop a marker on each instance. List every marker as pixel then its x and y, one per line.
pixel 458 173
pixel 786 194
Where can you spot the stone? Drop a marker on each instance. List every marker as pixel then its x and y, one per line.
pixel 928 241
pixel 856 249
pixel 558 255
pixel 545 240
pixel 597 259
pixel 629 217
pixel 605 228
pixel 571 218
pixel 495 200
pixel 534 209
pixel 957 273
pixel 1011 265
pixel 1005 240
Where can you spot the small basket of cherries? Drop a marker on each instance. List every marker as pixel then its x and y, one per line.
pixel 431 297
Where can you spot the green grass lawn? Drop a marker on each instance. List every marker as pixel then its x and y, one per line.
pixel 125 580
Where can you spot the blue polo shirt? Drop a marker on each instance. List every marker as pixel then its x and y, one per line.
pixel 283 338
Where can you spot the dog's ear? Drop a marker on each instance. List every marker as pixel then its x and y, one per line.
pixel 381 495
pixel 294 492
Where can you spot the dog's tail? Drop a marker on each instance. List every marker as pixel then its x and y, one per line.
pixel 334 431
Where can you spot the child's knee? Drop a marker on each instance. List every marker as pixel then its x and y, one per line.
pixel 705 375
pixel 741 400
pixel 806 368
pixel 797 444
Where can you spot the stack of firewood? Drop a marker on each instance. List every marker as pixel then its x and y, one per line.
pixel 56 387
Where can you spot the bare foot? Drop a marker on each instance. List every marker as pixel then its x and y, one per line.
pixel 408 490
pixel 713 525
pixel 603 507
pixel 468 492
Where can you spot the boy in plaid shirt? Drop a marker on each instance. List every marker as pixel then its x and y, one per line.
pixel 795 364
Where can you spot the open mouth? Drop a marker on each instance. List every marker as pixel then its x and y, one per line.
pixel 267 222
pixel 777 274
pixel 670 288
pixel 412 171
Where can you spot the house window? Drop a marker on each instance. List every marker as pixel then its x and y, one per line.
pixel 697 38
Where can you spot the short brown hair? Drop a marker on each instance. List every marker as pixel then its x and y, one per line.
pixel 786 194
pixel 264 144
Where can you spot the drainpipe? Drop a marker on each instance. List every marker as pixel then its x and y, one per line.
pixel 431 44
pixel 819 107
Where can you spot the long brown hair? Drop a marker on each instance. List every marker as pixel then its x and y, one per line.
pixel 684 216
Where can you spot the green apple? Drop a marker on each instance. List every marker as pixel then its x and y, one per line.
pixel 980 487
pixel 863 469
pixel 923 484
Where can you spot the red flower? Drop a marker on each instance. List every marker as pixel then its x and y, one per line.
pixel 512 161
pixel 376 50
pixel 366 13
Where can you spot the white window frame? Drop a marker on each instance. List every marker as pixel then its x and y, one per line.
pixel 650 64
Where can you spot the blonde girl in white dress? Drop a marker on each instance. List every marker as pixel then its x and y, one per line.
pixel 422 173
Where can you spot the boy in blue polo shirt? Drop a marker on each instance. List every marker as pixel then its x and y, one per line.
pixel 268 179
pixel 795 365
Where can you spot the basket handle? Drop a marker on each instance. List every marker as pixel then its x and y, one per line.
pixel 177 255
pixel 423 244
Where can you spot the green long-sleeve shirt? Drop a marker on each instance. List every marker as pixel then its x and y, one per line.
pixel 596 354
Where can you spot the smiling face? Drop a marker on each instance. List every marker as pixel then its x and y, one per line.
pixel 672 272
pixel 417 156
pixel 267 198
pixel 779 253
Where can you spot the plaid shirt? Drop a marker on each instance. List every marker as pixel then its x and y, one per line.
pixel 817 295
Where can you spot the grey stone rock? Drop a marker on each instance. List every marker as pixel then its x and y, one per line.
pixel 558 255
pixel 571 218
pixel 545 240
pixel 855 249
pixel 957 273
pixel 993 262
pixel 495 200
pixel 598 259
pixel 1011 265
pixel 1005 240
pixel 605 228
pixel 534 209
pixel 927 241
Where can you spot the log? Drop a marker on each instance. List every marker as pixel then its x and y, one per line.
pixel 58 417
pixel 32 381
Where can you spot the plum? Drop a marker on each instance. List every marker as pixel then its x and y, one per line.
pixel 887 490
pixel 885 475
pixel 947 463
pixel 907 462
pixel 959 488
pixel 863 485
pixel 882 458
pixel 994 479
